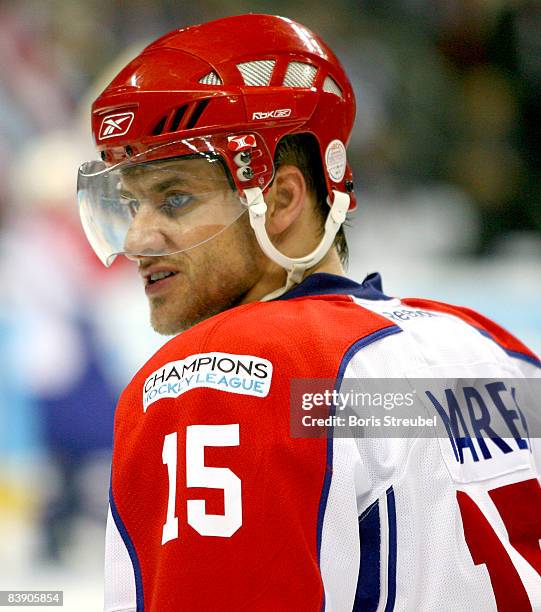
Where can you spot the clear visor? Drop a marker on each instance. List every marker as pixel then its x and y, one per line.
pixel 153 207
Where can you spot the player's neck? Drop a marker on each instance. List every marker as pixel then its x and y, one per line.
pixel 275 277
pixel 330 263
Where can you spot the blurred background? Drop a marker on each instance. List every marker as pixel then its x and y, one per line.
pixel 446 153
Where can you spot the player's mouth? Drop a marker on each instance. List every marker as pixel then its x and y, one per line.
pixel 158 280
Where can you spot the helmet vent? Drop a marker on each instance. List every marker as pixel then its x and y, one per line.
pixel 196 114
pixel 211 79
pixel 158 128
pixel 257 73
pixel 331 86
pixel 299 74
pixel 177 118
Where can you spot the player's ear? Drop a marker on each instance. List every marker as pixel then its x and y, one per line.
pixel 285 199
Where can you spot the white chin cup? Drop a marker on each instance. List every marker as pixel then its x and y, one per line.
pixel 295 266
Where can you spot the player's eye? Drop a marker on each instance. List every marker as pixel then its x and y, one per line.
pixel 176 203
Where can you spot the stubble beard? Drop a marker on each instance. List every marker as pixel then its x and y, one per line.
pixel 198 311
pixel 217 278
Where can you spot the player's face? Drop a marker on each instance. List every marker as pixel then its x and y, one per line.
pixel 184 288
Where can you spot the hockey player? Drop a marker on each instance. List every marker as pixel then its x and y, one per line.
pixel 224 177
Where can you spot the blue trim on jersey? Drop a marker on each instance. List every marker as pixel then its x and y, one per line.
pixel 131 551
pixel 322 283
pixel 368 582
pixel 391 562
pixel 325 492
pixel 516 354
pixel 350 353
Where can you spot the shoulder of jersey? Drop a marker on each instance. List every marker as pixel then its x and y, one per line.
pixel 485 326
pixel 312 330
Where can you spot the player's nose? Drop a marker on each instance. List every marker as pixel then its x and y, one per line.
pixel 145 235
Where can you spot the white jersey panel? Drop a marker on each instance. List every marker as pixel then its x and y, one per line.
pixel 339 553
pixel 120 595
pixel 428 524
pixel 431 567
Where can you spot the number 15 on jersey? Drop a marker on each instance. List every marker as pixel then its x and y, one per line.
pixel 200 475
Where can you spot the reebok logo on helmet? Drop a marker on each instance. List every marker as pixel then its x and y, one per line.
pixel 115 125
pixel 274 114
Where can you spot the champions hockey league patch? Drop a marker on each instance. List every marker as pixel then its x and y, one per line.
pixel 243 374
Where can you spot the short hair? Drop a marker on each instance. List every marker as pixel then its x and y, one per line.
pixel 302 150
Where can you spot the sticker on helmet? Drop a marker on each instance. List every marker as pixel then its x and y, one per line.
pixel 115 125
pixel 240 143
pixel 335 160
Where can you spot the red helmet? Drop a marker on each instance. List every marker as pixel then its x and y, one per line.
pixel 226 91
pixel 251 78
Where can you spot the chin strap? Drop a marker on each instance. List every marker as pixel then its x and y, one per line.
pixel 295 266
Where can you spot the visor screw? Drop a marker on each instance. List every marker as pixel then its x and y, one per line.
pixel 247 173
pixel 103 155
pixel 129 151
pixel 349 186
pixel 245 157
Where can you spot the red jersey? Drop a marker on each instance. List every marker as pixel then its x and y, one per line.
pixel 215 506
